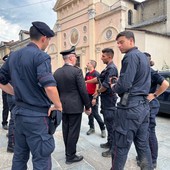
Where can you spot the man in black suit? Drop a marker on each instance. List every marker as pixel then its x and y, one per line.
pixel 74 96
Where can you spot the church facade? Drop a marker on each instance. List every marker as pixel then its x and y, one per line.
pixel 92 25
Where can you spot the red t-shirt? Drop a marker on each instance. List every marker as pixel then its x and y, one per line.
pixel 90 86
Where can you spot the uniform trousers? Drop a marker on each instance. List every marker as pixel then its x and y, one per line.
pixel 153 142
pixel 31 135
pixel 131 125
pixel 95 114
pixel 71 129
pixel 108 116
pixel 11 130
pixel 5 110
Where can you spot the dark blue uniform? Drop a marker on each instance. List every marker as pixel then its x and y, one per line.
pixel 11 136
pixel 29 70
pixel 132 119
pixel 156 79
pixel 5 111
pixel 108 98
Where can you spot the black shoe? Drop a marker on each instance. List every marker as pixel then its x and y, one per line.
pixel 10 149
pixel 103 133
pixel 107 153
pixel 5 127
pixel 105 145
pixel 137 161
pixel 154 165
pixel 7 135
pixel 90 131
pixel 75 159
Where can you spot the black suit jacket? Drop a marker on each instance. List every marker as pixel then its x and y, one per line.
pixel 72 89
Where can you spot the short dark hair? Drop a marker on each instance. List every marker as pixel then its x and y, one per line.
pixel 34 33
pixel 147 54
pixel 127 34
pixel 149 57
pixel 93 63
pixel 108 51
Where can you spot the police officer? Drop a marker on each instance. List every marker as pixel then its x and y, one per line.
pixel 108 98
pixel 91 89
pixel 5 110
pixel 158 86
pixel 132 117
pixel 74 97
pixel 29 70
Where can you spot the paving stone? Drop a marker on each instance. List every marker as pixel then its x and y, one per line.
pixel 89 147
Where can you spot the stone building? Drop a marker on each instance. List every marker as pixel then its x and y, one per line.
pixel 92 25
pixel 7 47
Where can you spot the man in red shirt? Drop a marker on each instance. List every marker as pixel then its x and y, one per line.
pixel 91 89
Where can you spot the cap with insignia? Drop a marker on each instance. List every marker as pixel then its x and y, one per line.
pixel 43 28
pixel 5 57
pixel 70 51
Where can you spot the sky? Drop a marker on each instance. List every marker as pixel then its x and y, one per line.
pixel 16 15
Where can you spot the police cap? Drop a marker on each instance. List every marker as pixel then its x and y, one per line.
pixel 43 28
pixel 70 51
pixel 5 57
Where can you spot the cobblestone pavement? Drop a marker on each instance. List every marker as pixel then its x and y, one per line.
pixel 88 146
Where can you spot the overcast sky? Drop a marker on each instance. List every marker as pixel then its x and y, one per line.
pixel 16 15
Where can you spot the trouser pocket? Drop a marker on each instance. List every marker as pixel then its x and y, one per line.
pixel 47 145
pixel 121 137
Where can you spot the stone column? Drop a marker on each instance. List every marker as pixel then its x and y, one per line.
pixel 91 36
pixel 59 41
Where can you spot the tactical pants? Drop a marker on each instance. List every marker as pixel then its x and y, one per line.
pixel 131 124
pixel 5 110
pixel 31 135
pixel 108 116
pixel 153 143
pixel 95 115
pixel 11 130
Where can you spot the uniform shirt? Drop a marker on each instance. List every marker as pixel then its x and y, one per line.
pixel 135 76
pixel 91 87
pixel 29 69
pixel 108 98
pixel 156 79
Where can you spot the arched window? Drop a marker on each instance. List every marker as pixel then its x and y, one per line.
pixel 130 17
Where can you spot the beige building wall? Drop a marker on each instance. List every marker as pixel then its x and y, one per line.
pixel 53 52
pixel 157 46
pixel 92 25
pixel 140 40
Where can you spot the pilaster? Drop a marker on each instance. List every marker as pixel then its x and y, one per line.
pixel 91 14
pixel 59 57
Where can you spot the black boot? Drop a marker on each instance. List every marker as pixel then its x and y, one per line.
pixel 107 153
pixel 10 148
pixel 90 131
pixel 105 145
